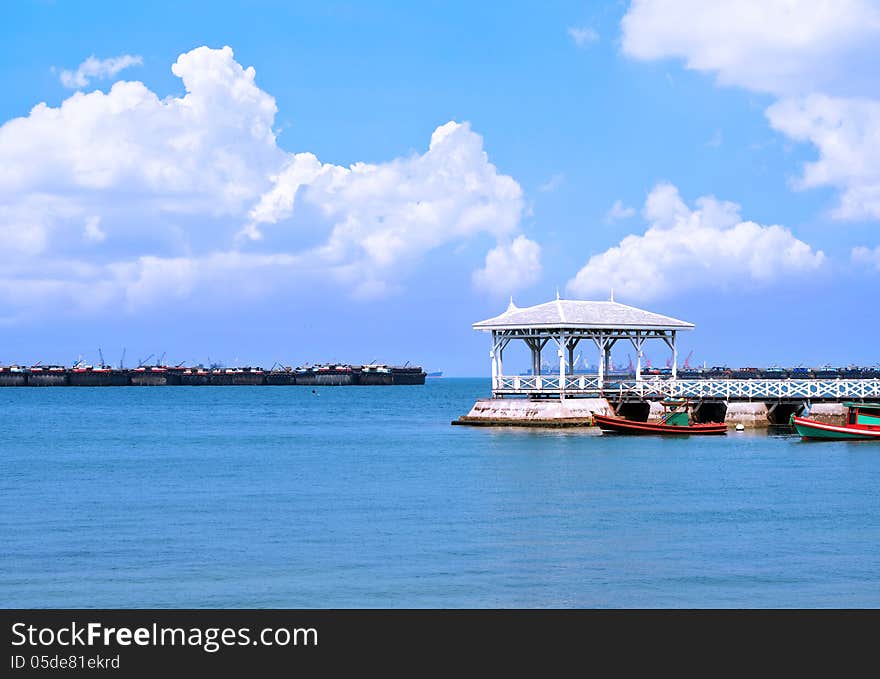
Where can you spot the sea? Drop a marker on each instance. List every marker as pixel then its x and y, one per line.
pixel 367 497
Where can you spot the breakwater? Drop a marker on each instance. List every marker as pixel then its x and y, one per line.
pixel 156 376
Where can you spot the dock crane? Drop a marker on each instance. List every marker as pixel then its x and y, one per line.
pixel 142 362
pixel 161 358
pixel 122 360
pixel 101 355
pixel 687 361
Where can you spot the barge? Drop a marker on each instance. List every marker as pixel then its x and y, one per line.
pixel 324 375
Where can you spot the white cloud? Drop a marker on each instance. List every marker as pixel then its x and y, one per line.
pixel 93 230
pixel 383 215
pixel 583 36
pixel 776 46
pixel 619 211
pixel 868 256
pixel 706 247
pixel 510 267
pixel 206 153
pixel 97 69
pixel 189 185
pixel 553 183
pixel 847 134
pixel 819 58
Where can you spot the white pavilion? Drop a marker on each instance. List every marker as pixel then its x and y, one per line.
pixel 566 323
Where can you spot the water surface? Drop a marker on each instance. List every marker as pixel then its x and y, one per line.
pixel 367 497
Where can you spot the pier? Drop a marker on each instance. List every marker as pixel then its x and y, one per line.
pixel 329 375
pixel 565 398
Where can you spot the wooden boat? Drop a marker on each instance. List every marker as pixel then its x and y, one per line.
pixel 862 423
pixel 675 422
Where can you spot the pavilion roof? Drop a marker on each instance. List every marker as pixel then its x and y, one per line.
pixel 568 313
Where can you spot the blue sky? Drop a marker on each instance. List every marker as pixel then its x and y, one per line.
pixel 740 151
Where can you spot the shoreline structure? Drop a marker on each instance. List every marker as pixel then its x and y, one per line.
pixel 156 376
pixel 569 398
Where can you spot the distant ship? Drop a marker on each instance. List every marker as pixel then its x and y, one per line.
pixel 439 373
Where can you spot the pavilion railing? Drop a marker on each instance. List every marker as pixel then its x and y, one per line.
pixel 660 387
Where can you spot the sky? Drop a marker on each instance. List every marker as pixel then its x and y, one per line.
pixel 251 183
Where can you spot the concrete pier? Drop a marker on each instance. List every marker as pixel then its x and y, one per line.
pixel 578 412
pixel 564 395
pixel 500 412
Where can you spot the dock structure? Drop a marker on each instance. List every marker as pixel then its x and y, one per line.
pixel 568 397
pixel 566 323
pixel 159 375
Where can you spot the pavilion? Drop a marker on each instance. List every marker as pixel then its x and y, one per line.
pixel 567 322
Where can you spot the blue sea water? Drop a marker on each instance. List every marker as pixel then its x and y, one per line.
pixel 367 497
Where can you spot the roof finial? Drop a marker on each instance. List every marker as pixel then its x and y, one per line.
pixel 512 306
pixel 557 292
pixel 612 294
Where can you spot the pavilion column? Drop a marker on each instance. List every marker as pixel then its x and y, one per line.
pixel 674 357
pixel 533 345
pixel 561 354
pixel 536 358
pixel 500 353
pixel 572 343
pixel 637 345
pixel 601 344
pixel 540 344
pixel 494 364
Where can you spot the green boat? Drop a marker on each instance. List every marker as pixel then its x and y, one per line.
pixel 862 423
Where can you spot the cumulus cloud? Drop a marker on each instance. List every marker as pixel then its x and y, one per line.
pixel 382 215
pixel 97 69
pixel 619 211
pixel 867 256
pixel 776 46
pixel 138 193
pixel 819 58
pixel 708 246
pixel 846 133
pixel 583 36
pixel 510 267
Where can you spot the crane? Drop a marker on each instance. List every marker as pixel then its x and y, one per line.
pixel 687 361
pixel 141 362
pixel 161 358
pixel 101 355
pixel 122 360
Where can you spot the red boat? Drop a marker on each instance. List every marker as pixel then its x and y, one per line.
pixel 618 425
pixel 675 421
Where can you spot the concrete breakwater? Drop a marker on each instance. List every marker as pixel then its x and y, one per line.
pixel 155 376
pixel 498 412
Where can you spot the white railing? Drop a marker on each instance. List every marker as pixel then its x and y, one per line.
pixel 744 389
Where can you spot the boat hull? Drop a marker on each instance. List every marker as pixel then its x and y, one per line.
pixel 813 429
pixel 617 425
